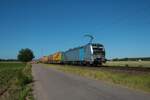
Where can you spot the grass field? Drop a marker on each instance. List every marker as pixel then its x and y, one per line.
pixel 134 81
pixel 128 63
pixel 14 81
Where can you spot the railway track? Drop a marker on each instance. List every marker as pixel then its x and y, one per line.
pixel 132 70
pixel 127 69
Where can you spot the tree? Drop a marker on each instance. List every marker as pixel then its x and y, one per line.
pixel 25 55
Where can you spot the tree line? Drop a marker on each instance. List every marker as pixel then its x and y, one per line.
pixel 24 55
pixel 8 60
pixel 132 59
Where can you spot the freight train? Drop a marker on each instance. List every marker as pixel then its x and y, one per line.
pixel 90 54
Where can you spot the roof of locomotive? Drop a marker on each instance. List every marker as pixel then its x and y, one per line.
pixel 93 44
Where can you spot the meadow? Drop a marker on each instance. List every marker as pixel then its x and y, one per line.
pixel 128 63
pixel 135 81
pixel 14 81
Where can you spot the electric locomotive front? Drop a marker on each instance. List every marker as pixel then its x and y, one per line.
pixel 98 53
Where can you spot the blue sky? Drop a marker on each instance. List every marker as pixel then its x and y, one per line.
pixel 47 26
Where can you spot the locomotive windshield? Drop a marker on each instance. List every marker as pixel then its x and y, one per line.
pixel 97 48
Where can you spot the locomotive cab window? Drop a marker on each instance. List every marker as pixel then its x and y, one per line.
pixel 97 48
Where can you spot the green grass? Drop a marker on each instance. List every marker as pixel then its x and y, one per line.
pixel 138 81
pixel 128 63
pixel 15 79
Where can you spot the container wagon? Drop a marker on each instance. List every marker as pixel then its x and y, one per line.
pixel 50 59
pixel 56 58
pixel 44 59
